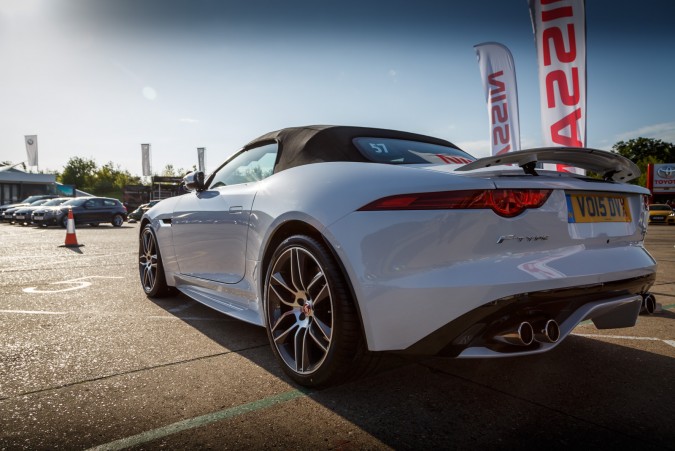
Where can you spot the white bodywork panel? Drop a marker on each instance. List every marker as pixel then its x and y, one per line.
pixel 411 272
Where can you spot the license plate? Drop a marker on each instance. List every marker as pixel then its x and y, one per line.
pixel 586 208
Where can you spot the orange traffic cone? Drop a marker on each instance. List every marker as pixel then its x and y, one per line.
pixel 71 238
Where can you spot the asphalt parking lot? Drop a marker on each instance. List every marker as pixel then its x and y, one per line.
pixel 88 361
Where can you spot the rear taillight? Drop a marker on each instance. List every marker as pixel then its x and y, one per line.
pixel 505 202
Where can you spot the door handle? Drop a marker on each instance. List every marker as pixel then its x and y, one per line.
pixel 236 209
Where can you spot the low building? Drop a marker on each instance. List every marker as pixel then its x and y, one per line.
pixel 16 185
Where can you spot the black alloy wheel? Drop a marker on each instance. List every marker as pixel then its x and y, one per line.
pixel 312 323
pixel 150 266
pixel 117 220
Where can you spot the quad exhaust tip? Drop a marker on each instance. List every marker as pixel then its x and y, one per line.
pixel 648 304
pixel 523 335
pixel 545 331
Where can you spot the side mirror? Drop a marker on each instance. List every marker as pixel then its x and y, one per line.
pixel 194 181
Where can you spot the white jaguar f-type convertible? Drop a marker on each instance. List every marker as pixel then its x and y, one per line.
pixel 344 242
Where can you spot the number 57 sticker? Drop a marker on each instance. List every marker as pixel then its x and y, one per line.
pixel 76 284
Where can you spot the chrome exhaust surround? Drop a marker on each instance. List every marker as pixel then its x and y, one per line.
pixel 648 304
pixel 546 331
pixel 523 335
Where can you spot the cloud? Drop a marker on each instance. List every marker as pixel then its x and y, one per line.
pixel 664 131
pixel 188 120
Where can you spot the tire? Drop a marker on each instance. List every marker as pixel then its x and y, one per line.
pixel 117 221
pixel 64 221
pixel 150 268
pixel 311 320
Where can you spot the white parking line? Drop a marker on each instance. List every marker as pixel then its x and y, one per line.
pixel 619 337
pixel 79 283
pixel 181 307
pixel 200 421
pixel 33 312
pixel 55 263
pixel 625 337
pixel 194 318
pixel 160 317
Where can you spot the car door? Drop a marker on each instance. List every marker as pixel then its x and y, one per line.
pixel 210 227
pixel 91 211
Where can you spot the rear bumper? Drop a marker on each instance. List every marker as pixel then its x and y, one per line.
pixel 609 305
pixel 415 273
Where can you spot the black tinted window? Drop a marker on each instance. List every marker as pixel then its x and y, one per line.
pixel 399 151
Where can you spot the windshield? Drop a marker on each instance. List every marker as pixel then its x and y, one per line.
pixel 31 199
pixel 53 202
pixel 400 151
pixel 75 202
pixel 659 208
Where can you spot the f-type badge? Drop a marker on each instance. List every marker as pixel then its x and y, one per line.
pixel 521 238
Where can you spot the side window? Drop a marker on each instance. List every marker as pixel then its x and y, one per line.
pixel 251 165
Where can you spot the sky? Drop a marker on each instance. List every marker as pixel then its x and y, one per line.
pixel 97 78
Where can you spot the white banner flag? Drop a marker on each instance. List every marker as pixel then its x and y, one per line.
pixel 200 158
pixel 560 37
pixel 31 150
pixel 145 152
pixel 501 94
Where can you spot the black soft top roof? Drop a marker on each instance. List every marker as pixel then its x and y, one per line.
pixel 322 143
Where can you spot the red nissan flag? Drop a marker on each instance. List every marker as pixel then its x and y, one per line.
pixel 499 82
pixel 560 37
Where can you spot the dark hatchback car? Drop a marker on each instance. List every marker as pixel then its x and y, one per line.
pixel 86 210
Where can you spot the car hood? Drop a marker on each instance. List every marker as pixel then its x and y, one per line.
pixel 610 165
pixel 7 207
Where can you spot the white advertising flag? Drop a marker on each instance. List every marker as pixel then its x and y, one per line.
pixel 145 151
pixel 200 158
pixel 32 150
pixel 499 82
pixel 560 37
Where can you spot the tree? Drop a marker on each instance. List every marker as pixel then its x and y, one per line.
pixel 171 171
pixel 79 172
pixel 645 151
pixel 641 148
pixel 110 179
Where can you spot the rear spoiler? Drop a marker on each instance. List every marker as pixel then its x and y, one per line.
pixel 610 165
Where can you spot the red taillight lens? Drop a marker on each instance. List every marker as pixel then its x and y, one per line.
pixel 504 202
